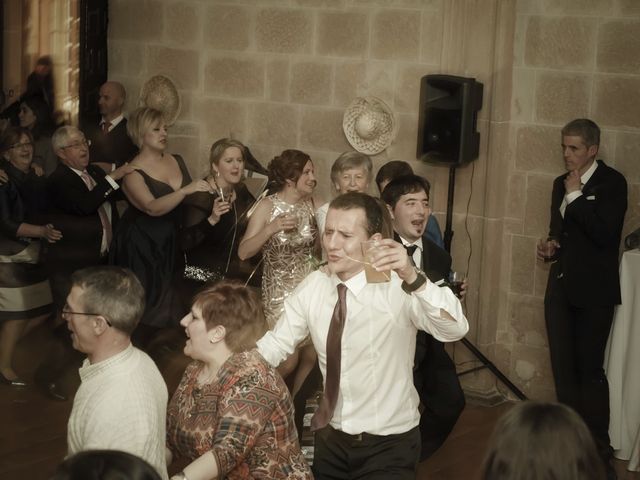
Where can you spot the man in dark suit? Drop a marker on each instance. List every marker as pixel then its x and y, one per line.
pixel 82 208
pixel 110 143
pixel 588 204
pixel 435 376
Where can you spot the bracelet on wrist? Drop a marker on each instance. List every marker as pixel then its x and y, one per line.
pixel 420 280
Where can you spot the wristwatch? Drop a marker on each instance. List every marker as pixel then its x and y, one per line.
pixel 420 280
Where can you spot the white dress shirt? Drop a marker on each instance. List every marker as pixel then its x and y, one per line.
pixel 113 123
pixel 417 254
pixel 376 394
pixel 584 178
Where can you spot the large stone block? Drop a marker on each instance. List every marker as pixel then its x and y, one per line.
pixel 516 195
pixel 405 144
pixel 526 320
pixel 342 34
pixel 348 81
pixel 182 66
pixel 432 30
pixel 222 118
pixel 126 58
pixel 424 4
pixel 396 35
pixel 321 129
pixel 140 20
pixel 629 7
pixel 380 81
pixel 284 30
pixel 182 26
pixel 537 208
pixel 619 46
pixel 523 95
pixel 274 124
pixel 278 79
pixel 311 82
pixel 627 153
pixel 562 96
pixel 235 76
pixel 532 368
pixel 560 42
pixel 538 149
pixel 577 7
pixel 227 27
pixel 407 97
pixel 617 102
pixel 523 258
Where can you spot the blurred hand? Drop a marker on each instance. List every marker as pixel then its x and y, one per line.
pixel 4 178
pixel 391 255
pixel 50 233
pixel 197 186
pixel 572 181
pixel 37 169
pixel 282 223
pixel 220 207
pixel 122 171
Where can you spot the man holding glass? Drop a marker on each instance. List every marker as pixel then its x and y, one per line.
pixel 588 204
pixel 367 422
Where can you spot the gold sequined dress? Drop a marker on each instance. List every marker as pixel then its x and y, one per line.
pixel 287 256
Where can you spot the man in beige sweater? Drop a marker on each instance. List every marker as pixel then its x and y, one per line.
pixel 122 401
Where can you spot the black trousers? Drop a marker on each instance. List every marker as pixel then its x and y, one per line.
pixel 577 340
pixel 338 455
pixel 441 395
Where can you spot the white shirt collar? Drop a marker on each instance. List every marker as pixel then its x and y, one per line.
pixel 355 284
pixel 417 243
pixel 113 122
pixel 586 176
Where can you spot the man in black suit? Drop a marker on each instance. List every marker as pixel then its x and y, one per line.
pixel 435 376
pixel 110 143
pixel 588 204
pixel 81 206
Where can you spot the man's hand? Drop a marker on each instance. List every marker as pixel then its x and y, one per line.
pixel 572 181
pixel 37 169
pixel 391 255
pixel 122 171
pixel 50 234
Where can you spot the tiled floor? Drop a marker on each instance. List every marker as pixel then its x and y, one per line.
pixel 33 429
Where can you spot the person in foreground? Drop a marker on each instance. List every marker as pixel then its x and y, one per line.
pixel 365 335
pixel 122 400
pixel 104 465
pixel 588 204
pixel 542 441
pixel 232 415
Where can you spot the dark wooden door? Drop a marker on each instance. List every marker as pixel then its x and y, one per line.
pixel 94 19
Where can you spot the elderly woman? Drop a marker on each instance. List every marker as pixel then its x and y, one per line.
pixel 25 296
pixel 231 415
pixel 351 172
pixel 214 224
pixel 146 238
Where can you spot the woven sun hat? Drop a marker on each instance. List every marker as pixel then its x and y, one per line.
pixel 369 125
pixel 160 92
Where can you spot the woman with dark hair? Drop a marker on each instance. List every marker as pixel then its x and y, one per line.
pixel 25 295
pixel 104 465
pixel 35 116
pixel 542 441
pixel 231 416
pixel 213 225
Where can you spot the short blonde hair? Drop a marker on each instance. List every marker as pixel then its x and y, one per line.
pixel 141 121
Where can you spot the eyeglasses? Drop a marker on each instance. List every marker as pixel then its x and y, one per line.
pixel 79 144
pixel 22 145
pixel 66 311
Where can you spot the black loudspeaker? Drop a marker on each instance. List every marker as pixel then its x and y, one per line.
pixel 448 116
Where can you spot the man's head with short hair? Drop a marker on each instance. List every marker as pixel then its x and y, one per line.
pixel 580 144
pixel 70 145
pixel 111 99
pixel 391 170
pixel 113 292
pixel 351 172
pixel 407 198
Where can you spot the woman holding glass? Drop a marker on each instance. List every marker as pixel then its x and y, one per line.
pixel 214 224
pixel 232 415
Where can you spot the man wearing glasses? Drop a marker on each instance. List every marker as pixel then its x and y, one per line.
pixel 82 206
pixel 122 400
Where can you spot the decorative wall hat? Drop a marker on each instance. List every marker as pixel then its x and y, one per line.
pixel 160 92
pixel 369 125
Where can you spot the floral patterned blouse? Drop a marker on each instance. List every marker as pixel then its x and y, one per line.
pixel 245 417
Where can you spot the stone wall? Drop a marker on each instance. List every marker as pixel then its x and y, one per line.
pixel 278 74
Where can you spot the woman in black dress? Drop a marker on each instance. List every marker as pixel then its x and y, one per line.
pixel 214 224
pixel 146 237
pixel 25 296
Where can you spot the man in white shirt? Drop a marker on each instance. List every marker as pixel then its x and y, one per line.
pixel 366 425
pixel 122 400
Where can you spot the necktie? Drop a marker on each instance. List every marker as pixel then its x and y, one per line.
pixel 334 351
pixel 102 213
pixel 105 127
pixel 411 249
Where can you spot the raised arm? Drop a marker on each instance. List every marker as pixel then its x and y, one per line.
pixel 140 197
pixel 260 229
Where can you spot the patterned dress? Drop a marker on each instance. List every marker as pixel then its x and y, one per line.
pixel 244 417
pixel 288 256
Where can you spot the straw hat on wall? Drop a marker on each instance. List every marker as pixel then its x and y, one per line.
pixel 369 125
pixel 160 92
